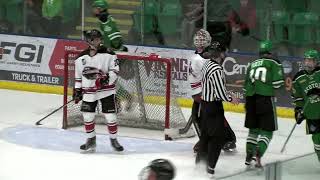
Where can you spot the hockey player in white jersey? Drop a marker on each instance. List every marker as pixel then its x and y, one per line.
pixel 202 40
pixel 96 72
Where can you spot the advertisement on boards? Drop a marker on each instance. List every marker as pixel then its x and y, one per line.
pixel 42 61
pixel 35 59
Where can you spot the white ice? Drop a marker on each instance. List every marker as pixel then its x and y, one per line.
pixel 17 162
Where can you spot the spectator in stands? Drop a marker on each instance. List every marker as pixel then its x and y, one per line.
pixel 247 14
pixel 71 11
pixel 34 20
pixel 52 11
pixel 11 12
pixel 192 21
pixel 221 18
pixel 150 19
pixel 5 26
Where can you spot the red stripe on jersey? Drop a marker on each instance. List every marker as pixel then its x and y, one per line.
pixel 91 90
pixel 195 85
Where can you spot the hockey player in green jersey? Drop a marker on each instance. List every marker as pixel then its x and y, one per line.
pixel 111 35
pixel 306 96
pixel 263 77
pixel 112 39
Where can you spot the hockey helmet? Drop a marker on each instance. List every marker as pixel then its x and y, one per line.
pixel 214 50
pixel 265 47
pixel 90 35
pixel 202 39
pixel 100 4
pixel 162 169
pixel 312 55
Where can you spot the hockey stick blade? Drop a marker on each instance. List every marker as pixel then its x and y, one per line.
pixel 39 122
pixel 187 127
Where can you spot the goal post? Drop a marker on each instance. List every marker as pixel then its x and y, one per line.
pixel 144 98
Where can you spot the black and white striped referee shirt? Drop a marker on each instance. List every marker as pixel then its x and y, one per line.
pixel 213 82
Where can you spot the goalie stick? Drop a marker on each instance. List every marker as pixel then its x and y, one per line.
pixel 39 122
pixel 192 119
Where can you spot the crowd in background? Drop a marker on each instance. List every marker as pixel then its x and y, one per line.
pixel 289 24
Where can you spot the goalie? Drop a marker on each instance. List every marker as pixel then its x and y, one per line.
pixel 96 72
pixel 202 40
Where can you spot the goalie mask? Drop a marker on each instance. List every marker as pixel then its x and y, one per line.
pixel 201 40
pixel 93 38
pixel 311 60
pixel 158 169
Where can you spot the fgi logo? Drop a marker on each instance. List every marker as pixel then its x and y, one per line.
pixel 23 52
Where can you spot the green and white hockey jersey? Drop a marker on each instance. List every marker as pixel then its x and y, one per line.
pixel 263 77
pixel 303 82
pixel 111 34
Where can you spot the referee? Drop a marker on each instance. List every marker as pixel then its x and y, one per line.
pixel 212 113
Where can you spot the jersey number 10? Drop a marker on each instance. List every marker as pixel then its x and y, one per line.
pixel 259 74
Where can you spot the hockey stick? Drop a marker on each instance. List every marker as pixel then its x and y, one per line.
pixel 187 127
pixel 192 119
pixel 38 122
pixel 285 143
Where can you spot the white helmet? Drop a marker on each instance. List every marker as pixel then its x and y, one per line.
pixel 202 39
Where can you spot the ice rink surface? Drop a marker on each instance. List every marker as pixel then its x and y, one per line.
pixel 47 152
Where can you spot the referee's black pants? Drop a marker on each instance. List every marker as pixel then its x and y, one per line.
pixel 212 131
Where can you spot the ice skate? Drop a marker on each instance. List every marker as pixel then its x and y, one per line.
pixel 89 146
pixel 115 145
pixel 210 172
pixel 248 162
pixel 258 161
pixel 201 157
pixel 230 147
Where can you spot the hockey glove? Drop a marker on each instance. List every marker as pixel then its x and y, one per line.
pixel 314 91
pixel 102 81
pixel 77 95
pixel 197 98
pixel 298 114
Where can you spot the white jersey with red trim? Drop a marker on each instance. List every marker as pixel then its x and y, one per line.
pixel 195 75
pixel 88 69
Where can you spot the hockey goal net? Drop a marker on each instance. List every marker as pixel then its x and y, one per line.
pixel 144 96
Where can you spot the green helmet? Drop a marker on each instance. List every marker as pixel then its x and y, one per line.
pixel 100 4
pixel 265 46
pixel 312 54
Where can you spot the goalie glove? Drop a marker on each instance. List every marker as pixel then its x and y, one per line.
pixel 314 91
pixel 298 114
pixel 102 81
pixel 77 95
